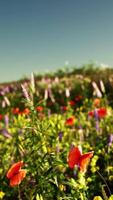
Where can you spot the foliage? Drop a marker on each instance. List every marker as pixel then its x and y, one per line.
pixel 40 122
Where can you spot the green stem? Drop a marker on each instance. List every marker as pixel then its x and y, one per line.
pixel 19 193
pixel 104 182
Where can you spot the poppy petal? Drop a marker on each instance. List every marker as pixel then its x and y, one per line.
pixel 74 157
pixel 16 179
pixel 84 160
pixel 14 169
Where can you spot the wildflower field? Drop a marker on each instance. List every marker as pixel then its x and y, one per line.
pixel 56 136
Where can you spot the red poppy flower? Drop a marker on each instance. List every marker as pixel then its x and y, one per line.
pixel 64 108
pixel 102 112
pixel 76 157
pixel 26 111
pixel 96 102
pixel 70 121
pixel 1 117
pixel 15 174
pixel 15 111
pixel 39 108
pixel 78 98
pixel 91 113
pixel 71 103
pixel 20 112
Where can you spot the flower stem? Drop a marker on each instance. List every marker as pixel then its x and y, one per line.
pixel 104 182
pixel 19 194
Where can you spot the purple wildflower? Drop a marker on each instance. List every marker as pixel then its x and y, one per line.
pixel 96 114
pixel 60 135
pixel 6 119
pixel 74 173
pixel 97 120
pixel 110 139
pixel 5 133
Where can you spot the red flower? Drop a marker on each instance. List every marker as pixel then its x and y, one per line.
pixel 26 111
pixel 15 174
pixel 64 108
pixel 71 103
pixel 96 102
pixel 78 98
pixel 20 112
pixel 39 108
pixel 91 113
pixel 76 157
pixel 70 121
pixel 1 116
pixel 102 112
pixel 15 110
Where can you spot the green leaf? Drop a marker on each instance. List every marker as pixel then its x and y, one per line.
pixel 39 197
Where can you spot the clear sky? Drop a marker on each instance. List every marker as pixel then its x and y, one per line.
pixel 40 35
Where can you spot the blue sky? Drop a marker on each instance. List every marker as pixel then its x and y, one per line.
pixel 41 35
